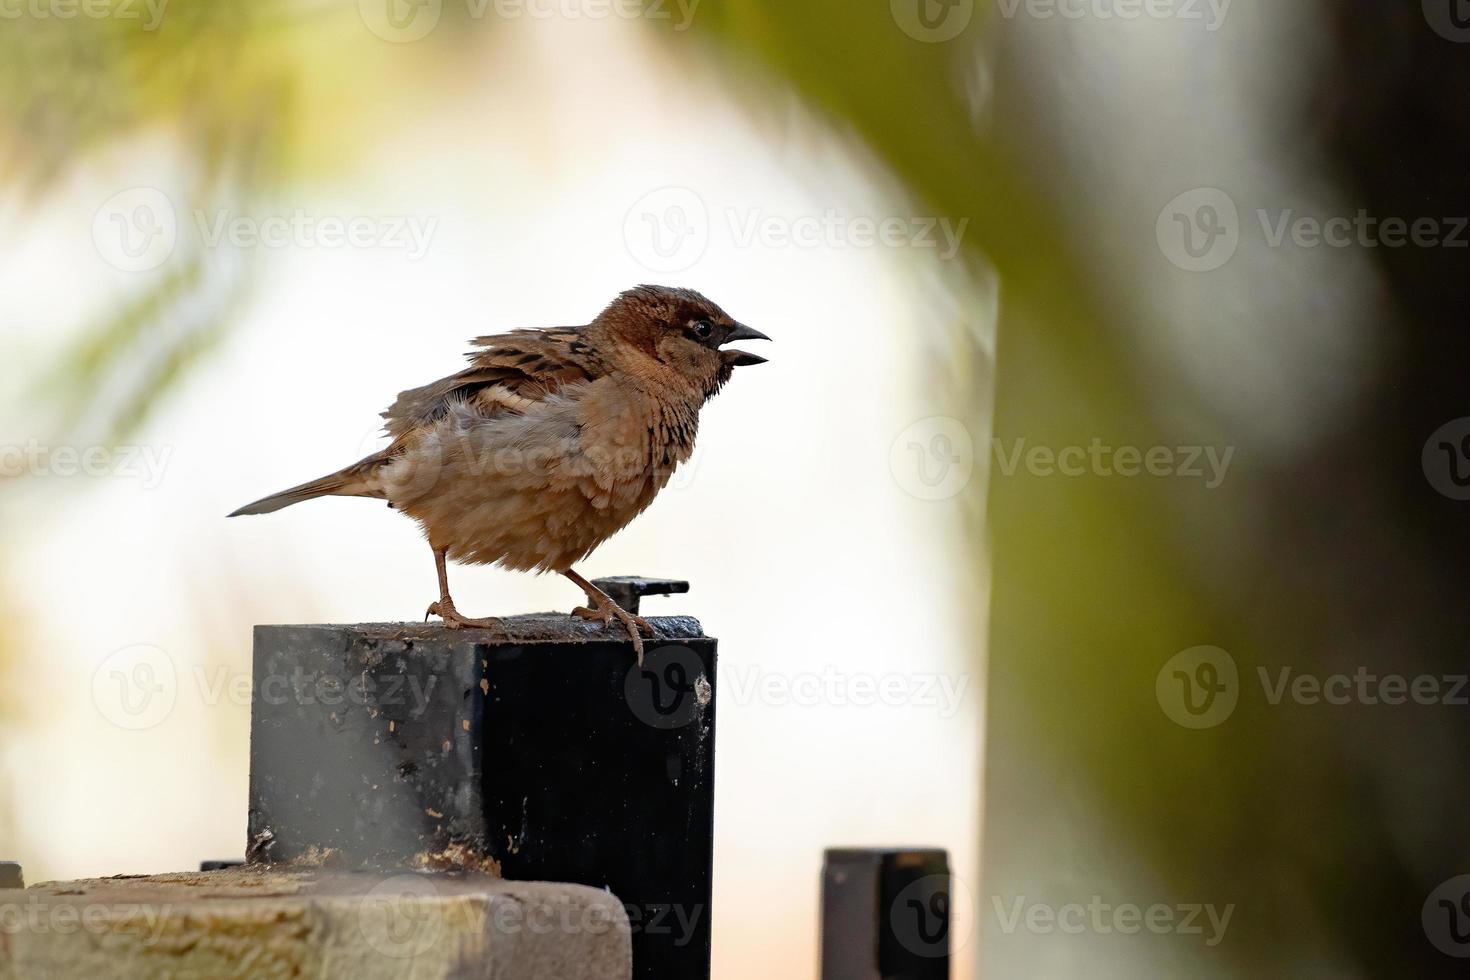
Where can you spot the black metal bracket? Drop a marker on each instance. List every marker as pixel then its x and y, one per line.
pixel 627 590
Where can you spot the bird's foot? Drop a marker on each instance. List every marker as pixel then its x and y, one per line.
pixel 606 611
pixel 445 610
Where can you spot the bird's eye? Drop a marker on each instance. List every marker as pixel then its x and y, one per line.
pixel 703 329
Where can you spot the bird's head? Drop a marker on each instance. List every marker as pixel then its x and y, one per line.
pixel 682 331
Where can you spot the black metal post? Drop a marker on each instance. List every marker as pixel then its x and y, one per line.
pixel 885 914
pixel 543 751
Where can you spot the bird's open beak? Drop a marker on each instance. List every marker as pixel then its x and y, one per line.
pixel 740 358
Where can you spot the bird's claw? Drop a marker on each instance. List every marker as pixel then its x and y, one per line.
pixel 611 611
pixel 454 621
pixel 607 611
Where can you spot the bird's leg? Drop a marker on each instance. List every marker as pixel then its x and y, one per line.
pixel 444 608
pixel 604 610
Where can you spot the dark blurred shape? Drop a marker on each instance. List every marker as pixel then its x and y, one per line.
pixel 1376 555
pixel 220 865
pixel 1336 830
pixel 886 914
pixel 11 876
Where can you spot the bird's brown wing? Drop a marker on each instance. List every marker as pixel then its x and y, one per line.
pixel 508 373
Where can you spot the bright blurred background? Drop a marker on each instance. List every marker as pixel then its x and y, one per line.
pixel 232 233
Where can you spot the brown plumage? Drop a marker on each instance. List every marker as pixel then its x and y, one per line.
pixel 550 441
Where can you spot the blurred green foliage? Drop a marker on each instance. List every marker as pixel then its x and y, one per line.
pixel 210 77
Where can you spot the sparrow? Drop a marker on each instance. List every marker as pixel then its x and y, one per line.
pixel 549 443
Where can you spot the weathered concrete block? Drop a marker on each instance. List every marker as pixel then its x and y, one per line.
pixel 310 923
pixel 540 752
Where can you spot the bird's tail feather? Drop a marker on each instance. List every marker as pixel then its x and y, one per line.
pixel 349 482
